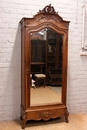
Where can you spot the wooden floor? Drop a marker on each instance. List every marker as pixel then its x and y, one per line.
pixel 76 122
pixel 45 95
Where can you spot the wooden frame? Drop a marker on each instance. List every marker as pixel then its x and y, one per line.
pixel 46 18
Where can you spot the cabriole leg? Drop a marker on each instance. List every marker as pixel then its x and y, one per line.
pixel 66 116
pixel 23 122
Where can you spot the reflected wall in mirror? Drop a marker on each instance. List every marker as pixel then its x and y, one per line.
pixel 46 67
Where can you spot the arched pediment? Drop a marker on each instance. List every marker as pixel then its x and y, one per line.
pixel 46 15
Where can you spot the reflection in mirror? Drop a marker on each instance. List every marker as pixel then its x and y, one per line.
pixel 46 67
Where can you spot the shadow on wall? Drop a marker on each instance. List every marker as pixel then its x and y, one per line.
pixel 14 78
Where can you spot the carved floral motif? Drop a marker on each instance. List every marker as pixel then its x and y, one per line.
pixel 46 115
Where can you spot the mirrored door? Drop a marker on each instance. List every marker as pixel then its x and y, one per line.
pixel 46 67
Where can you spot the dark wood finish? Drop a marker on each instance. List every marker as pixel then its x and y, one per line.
pixel 55 77
pixel 38 55
pixel 54 60
pixel 46 18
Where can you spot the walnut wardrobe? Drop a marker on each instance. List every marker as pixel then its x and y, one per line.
pixel 44 55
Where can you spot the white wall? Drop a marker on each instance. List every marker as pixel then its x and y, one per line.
pixel 11 12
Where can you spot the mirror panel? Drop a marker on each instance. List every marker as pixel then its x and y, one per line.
pixel 46 67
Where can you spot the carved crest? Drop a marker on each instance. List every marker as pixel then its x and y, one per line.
pixel 48 9
pixel 48 12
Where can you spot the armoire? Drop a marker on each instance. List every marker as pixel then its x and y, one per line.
pixel 44 50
